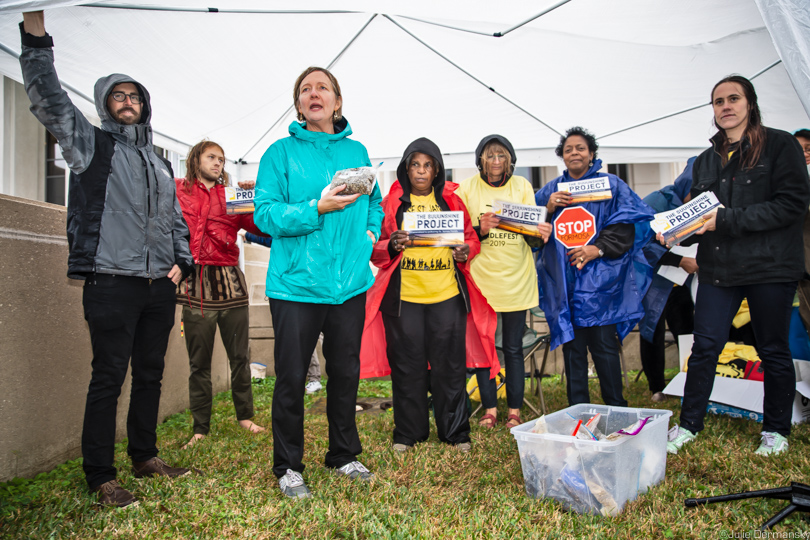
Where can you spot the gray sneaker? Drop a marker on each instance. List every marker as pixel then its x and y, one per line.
pixel 355 470
pixel 292 485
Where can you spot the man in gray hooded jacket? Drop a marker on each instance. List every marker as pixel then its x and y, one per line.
pixel 128 241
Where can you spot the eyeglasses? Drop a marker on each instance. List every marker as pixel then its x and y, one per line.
pixel 121 97
pixel 496 157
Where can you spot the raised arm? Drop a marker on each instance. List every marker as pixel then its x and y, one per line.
pixel 49 102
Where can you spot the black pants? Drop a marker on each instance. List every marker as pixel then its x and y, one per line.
pixel 602 342
pixel 128 317
pixel 679 315
pixel 297 326
pixel 513 325
pixel 770 308
pixel 429 335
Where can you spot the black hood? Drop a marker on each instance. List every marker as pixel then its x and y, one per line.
pixel 425 146
pixel 480 150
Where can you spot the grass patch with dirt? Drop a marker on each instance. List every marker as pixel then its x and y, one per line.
pixel 431 492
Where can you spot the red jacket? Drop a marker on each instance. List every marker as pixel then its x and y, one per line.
pixel 213 230
pixel 481 320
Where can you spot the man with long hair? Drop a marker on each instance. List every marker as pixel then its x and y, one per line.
pixel 215 293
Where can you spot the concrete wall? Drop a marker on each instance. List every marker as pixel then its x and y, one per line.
pixel 45 349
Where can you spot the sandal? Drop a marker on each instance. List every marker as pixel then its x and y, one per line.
pixel 513 421
pixel 488 421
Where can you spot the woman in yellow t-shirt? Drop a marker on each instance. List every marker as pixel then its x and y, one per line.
pixel 424 315
pixel 505 269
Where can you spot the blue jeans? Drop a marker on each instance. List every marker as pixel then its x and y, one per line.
pixel 603 344
pixel 513 324
pixel 770 307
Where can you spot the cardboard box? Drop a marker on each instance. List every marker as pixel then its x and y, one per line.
pixel 742 398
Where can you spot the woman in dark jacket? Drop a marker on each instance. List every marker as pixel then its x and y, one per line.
pixel 749 248
pixel 428 305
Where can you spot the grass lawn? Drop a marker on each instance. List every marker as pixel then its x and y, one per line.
pixel 433 491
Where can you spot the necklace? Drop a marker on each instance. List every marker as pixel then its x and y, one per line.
pixel 502 182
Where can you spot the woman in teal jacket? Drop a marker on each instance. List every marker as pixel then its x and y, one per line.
pixel 318 273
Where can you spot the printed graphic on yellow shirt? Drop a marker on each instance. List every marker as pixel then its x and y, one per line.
pixel 428 273
pixel 411 263
pixel 504 270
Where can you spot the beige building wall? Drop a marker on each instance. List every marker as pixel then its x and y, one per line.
pixel 45 349
pixel 22 167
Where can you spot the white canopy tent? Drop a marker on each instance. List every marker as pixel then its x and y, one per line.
pixel 637 73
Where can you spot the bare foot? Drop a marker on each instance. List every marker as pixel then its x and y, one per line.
pixel 194 440
pixel 250 426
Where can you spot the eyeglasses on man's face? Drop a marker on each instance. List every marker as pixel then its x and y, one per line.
pixel 121 97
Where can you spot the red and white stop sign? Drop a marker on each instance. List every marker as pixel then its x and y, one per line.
pixel 574 227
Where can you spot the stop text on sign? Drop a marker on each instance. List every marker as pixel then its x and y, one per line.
pixel 574 227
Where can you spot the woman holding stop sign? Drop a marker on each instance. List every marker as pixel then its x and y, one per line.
pixel 590 276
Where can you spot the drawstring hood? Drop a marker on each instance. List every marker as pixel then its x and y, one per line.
pixel 424 146
pixel 503 141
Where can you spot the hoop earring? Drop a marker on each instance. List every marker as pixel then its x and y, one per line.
pixel 590 164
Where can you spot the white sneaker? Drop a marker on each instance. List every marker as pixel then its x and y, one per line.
pixel 772 444
pixel 355 470
pixel 677 437
pixel 313 386
pixel 292 485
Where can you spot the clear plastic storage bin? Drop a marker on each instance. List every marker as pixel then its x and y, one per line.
pixel 588 476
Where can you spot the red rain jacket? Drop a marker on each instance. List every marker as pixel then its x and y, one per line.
pixel 213 231
pixel 481 320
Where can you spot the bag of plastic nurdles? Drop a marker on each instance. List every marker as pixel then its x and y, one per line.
pixel 357 180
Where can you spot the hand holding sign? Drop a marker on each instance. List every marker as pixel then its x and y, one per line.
pixel 583 255
pixel 558 199
pixel 545 231
pixel 461 253
pixel 398 239
pixel 711 222
pixel 487 222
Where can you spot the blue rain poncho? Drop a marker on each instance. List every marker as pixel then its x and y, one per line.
pixel 667 198
pixel 606 291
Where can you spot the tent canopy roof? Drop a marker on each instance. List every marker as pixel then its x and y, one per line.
pixel 424 68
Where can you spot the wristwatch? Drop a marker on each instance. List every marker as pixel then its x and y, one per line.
pixel 601 253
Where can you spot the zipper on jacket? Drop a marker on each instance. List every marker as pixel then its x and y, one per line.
pixel 148 206
pixel 467 304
